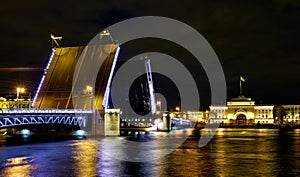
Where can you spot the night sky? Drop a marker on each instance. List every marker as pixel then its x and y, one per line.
pixel 257 39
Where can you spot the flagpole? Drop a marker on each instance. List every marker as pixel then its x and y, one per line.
pixel 240 86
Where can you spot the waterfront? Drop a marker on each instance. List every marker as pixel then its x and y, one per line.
pixel 232 152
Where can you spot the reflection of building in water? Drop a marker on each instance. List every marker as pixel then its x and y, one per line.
pixel 18 166
pixel 292 113
pixel 84 154
pixel 241 111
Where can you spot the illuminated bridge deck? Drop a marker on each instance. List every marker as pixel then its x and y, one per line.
pixel 16 117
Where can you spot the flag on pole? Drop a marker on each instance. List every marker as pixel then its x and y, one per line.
pixel 242 79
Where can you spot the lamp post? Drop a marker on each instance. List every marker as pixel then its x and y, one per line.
pixel 19 90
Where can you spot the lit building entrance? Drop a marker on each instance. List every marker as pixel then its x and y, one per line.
pixel 241 119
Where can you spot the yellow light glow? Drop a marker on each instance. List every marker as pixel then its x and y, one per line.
pixel 251 115
pixel 158 103
pixel 20 90
pixel 89 88
pixel 177 108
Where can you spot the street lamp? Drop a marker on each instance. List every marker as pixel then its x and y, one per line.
pixel 19 90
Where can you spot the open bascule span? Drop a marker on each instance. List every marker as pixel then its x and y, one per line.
pixel 52 104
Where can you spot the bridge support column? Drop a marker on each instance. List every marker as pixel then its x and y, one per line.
pixel 112 122
pixel 166 122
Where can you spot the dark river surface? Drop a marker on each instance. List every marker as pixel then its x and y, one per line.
pixel 232 152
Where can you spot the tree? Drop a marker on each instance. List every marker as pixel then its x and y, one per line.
pixel 279 113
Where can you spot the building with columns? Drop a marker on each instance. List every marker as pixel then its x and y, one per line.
pixel 241 111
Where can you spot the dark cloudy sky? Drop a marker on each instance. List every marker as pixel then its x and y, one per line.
pixel 258 39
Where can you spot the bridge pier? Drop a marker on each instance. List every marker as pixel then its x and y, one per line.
pixel 98 122
pixel 166 122
pixel 112 122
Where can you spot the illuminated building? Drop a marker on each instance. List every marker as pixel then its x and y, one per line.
pixel 14 103
pixel 241 111
pixel 195 116
pixel 292 113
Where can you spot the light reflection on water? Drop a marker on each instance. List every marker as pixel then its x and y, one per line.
pixel 18 166
pixel 232 152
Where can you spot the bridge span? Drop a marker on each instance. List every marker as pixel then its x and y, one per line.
pixel 17 117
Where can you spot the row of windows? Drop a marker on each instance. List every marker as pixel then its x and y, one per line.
pixel 293 109
pixel 259 110
pixel 220 121
pixel 259 116
pixel 291 117
pixel 263 110
pixel 289 112
pixel 218 111
pixel 135 119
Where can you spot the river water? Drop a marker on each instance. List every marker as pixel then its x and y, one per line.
pixel 232 152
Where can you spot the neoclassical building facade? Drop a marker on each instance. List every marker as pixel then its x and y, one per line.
pixel 292 113
pixel 241 111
